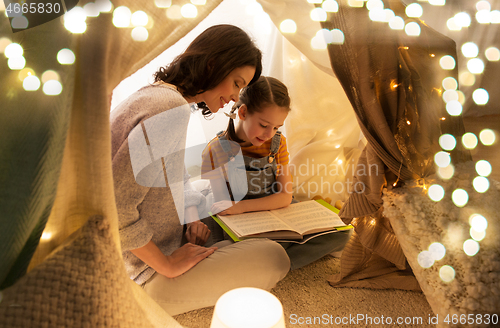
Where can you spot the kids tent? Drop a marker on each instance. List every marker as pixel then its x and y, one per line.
pixel 57 175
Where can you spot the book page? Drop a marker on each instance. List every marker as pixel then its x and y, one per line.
pixel 308 216
pixel 253 223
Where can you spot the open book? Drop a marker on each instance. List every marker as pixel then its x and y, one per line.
pixel 297 222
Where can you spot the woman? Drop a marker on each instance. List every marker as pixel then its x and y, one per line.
pixel 152 121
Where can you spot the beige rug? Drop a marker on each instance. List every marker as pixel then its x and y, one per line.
pixel 305 294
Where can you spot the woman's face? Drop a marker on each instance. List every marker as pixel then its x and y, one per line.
pixel 229 89
pixel 261 126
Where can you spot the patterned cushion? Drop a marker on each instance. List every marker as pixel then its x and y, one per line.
pixel 82 284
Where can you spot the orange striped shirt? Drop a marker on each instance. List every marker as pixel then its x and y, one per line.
pixel 214 156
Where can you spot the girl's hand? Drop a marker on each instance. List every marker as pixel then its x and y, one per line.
pixel 184 258
pixel 197 233
pixel 227 207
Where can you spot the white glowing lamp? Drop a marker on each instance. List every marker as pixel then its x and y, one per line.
pixel 248 308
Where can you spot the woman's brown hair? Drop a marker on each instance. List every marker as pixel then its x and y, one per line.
pixel 209 59
pixel 265 92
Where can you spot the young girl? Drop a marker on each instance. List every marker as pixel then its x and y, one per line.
pixel 248 165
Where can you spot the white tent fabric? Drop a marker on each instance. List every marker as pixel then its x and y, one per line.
pixel 322 132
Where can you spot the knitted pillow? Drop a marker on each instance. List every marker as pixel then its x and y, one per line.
pixel 82 284
pixel 473 285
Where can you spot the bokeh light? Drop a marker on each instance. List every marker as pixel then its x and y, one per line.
pixel 13 50
pixel 437 2
pixel 52 88
pixel 447 273
pixel 65 57
pixel 475 66
pixel 318 15
pixel 487 137
pixel 483 5
pixel 495 16
pixel 24 73
pixel 471 247
pixel 337 36
pixel 121 17
pixel 436 192
pixel 483 168
pixel 50 75
pixel 104 6
pixel 318 42
pixel 356 3
pixel 189 11
pixel 330 6
pixel 174 12
pixel 470 50
pixel 16 63
pixel 462 19
pixel 74 20
pixel 91 9
pixel 140 34
pixel 454 107
pixel 481 184
pixel 163 3
pixel 483 16
pixel 414 10
pixel 377 15
pixel 477 235
pixel 139 18
pixel 425 259
pixel 199 2
pixel 492 54
pixel 442 159
pixel 397 23
pixel 288 26
pixel 452 24
pixel 469 140
pixel 374 4
pixel 449 83
pixel 478 222
pixel 447 141
pixel 460 197
pixel 4 42
pixel 31 83
pixel 412 29
pixel 20 22
pixel 446 172
pixel 437 250
pixel 450 95
pixel 480 96
pixel 447 62
pixel 467 78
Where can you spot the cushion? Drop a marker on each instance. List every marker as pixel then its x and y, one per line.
pixel 82 284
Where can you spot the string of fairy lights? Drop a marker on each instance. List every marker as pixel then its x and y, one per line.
pixel 139 23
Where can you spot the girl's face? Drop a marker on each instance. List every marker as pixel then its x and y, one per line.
pixel 229 89
pixel 261 126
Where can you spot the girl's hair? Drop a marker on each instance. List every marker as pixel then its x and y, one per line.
pixel 209 59
pixel 265 92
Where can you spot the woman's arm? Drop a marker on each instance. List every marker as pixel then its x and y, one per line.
pixel 180 261
pixel 277 200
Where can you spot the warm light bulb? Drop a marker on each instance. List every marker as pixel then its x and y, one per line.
pixel 248 307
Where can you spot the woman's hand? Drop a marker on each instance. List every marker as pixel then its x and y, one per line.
pixel 184 258
pixel 197 233
pixel 226 207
